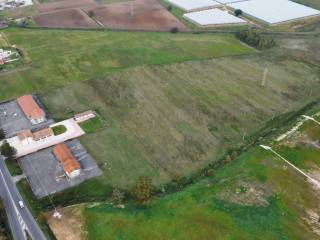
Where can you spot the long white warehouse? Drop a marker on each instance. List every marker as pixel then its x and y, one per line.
pixel 194 5
pixel 274 11
pixel 213 17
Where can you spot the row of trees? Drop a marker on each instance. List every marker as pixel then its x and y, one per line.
pixel 255 39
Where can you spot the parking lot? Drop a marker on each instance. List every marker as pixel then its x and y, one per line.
pixel 45 174
pixel 13 120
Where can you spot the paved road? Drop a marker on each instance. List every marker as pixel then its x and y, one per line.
pixel 11 197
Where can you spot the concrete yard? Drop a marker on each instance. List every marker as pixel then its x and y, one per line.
pixel 13 120
pixel 73 130
pixel 45 174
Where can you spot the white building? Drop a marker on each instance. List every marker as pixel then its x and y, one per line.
pixel 81 117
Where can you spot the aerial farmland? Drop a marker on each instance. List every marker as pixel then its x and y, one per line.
pixel 160 119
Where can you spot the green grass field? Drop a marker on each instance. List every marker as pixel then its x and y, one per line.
pixel 168 121
pixel 254 197
pixel 64 57
pixel 257 196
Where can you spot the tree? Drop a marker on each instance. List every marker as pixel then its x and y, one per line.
pixel 2 134
pixel 174 30
pixel 143 190
pixel 117 196
pixel 91 14
pixel 169 8
pixel 238 12
pixel 7 150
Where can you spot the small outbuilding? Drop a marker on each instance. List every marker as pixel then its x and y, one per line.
pixel 69 163
pixel 81 117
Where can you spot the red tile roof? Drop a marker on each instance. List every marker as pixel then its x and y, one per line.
pixel 30 108
pixel 43 133
pixel 66 158
pixel 24 134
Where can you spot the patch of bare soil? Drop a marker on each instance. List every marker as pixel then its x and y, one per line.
pixel 70 18
pixel 247 193
pixel 71 224
pixel 148 15
pixel 313 221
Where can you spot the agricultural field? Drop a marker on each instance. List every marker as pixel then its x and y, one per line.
pixel 167 121
pixel 147 15
pixel 64 57
pixel 256 196
pixel 69 18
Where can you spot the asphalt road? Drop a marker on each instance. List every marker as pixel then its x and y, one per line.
pixel 11 198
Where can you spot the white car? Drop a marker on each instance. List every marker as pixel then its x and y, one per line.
pixel 21 204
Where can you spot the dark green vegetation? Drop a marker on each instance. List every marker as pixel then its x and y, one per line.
pixel 255 39
pixel 13 167
pixel 5 233
pixel 59 129
pixel 2 134
pixel 63 57
pixel 7 151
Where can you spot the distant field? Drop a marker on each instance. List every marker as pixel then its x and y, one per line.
pixel 64 57
pixel 168 121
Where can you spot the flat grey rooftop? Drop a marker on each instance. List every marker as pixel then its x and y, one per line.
pixel 45 174
pixel 213 17
pixel 13 120
pixel 274 11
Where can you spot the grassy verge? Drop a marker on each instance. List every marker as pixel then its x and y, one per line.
pixel 13 167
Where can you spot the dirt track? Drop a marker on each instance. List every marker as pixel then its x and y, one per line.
pixel 137 15
pixel 69 18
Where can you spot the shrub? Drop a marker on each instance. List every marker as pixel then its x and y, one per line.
pixel 91 14
pixel 174 30
pixel 7 150
pixel 169 8
pixel 143 190
pixel 255 39
pixel 238 12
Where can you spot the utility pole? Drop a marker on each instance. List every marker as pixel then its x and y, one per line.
pixel 264 77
